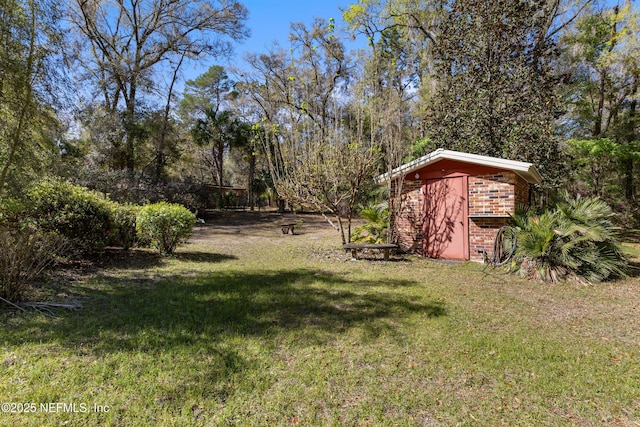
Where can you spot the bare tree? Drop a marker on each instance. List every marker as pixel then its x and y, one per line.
pixel 126 40
pixel 400 36
pixel 314 135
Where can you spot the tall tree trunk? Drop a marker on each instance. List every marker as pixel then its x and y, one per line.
pixel 160 157
pixel 220 159
pixel 252 175
pixel 597 128
pixel 130 122
pixel 629 184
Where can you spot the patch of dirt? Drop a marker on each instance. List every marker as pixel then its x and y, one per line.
pixel 225 228
pixel 259 223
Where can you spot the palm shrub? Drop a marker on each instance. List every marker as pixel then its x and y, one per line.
pixel 164 225
pixel 376 228
pixel 574 240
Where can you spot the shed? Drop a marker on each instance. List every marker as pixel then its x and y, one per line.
pixel 452 204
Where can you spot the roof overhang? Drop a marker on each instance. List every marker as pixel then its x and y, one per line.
pixel 526 170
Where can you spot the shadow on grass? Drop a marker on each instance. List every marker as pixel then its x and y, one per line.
pixel 155 315
pixel 634 269
pixel 124 259
pixel 207 257
pixel 210 322
pixel 630 235
pixel 136 259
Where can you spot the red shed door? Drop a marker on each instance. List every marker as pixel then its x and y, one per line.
pixel 445 230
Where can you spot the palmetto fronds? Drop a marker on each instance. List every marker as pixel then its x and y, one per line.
pixel 375 230
pixel 575 240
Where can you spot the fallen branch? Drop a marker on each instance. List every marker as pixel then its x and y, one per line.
pixel 70 306
pixel 45 308
pixel 12 304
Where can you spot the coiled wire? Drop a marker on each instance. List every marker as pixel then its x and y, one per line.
pixel 504 247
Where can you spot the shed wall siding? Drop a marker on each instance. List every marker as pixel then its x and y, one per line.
pixel 491 198
pixel 492 195
pixel 408 225
pixel 482 235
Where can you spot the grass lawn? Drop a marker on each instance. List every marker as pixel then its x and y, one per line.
pixel 246 326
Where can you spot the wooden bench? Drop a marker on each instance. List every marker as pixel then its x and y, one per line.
pixel 356 247
pixel 288 227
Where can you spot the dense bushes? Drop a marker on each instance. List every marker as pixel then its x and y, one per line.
pixel 26 253
pixel 165 225
pixel 83 216
pixel 55 218
pixel 90 221
pixel 574 240
pixel 124 225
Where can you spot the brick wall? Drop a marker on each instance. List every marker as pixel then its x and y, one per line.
pixel 482 235
pixel 492 194
pixel 408 225
pixel 492 198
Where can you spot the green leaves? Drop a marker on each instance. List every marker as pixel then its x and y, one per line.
pixel 576 240
pixel 165 225
pixel 81 215
pixel 604 148
pixel 376 229
pixel 495 90
pixel 30 69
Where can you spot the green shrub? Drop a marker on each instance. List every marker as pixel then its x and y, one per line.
pixel 77 213
pixel 376 228
pixel 165 225
pixel 574 240
pixel 11 211
pixel 124 219
pixel 25 254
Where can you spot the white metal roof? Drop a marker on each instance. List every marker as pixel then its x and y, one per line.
pixel 525 170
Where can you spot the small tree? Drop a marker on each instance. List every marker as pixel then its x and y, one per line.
pixel 376 228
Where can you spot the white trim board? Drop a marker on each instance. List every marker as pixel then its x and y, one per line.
pixel 526 170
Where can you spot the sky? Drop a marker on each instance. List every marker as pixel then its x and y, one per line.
pixel 270 20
